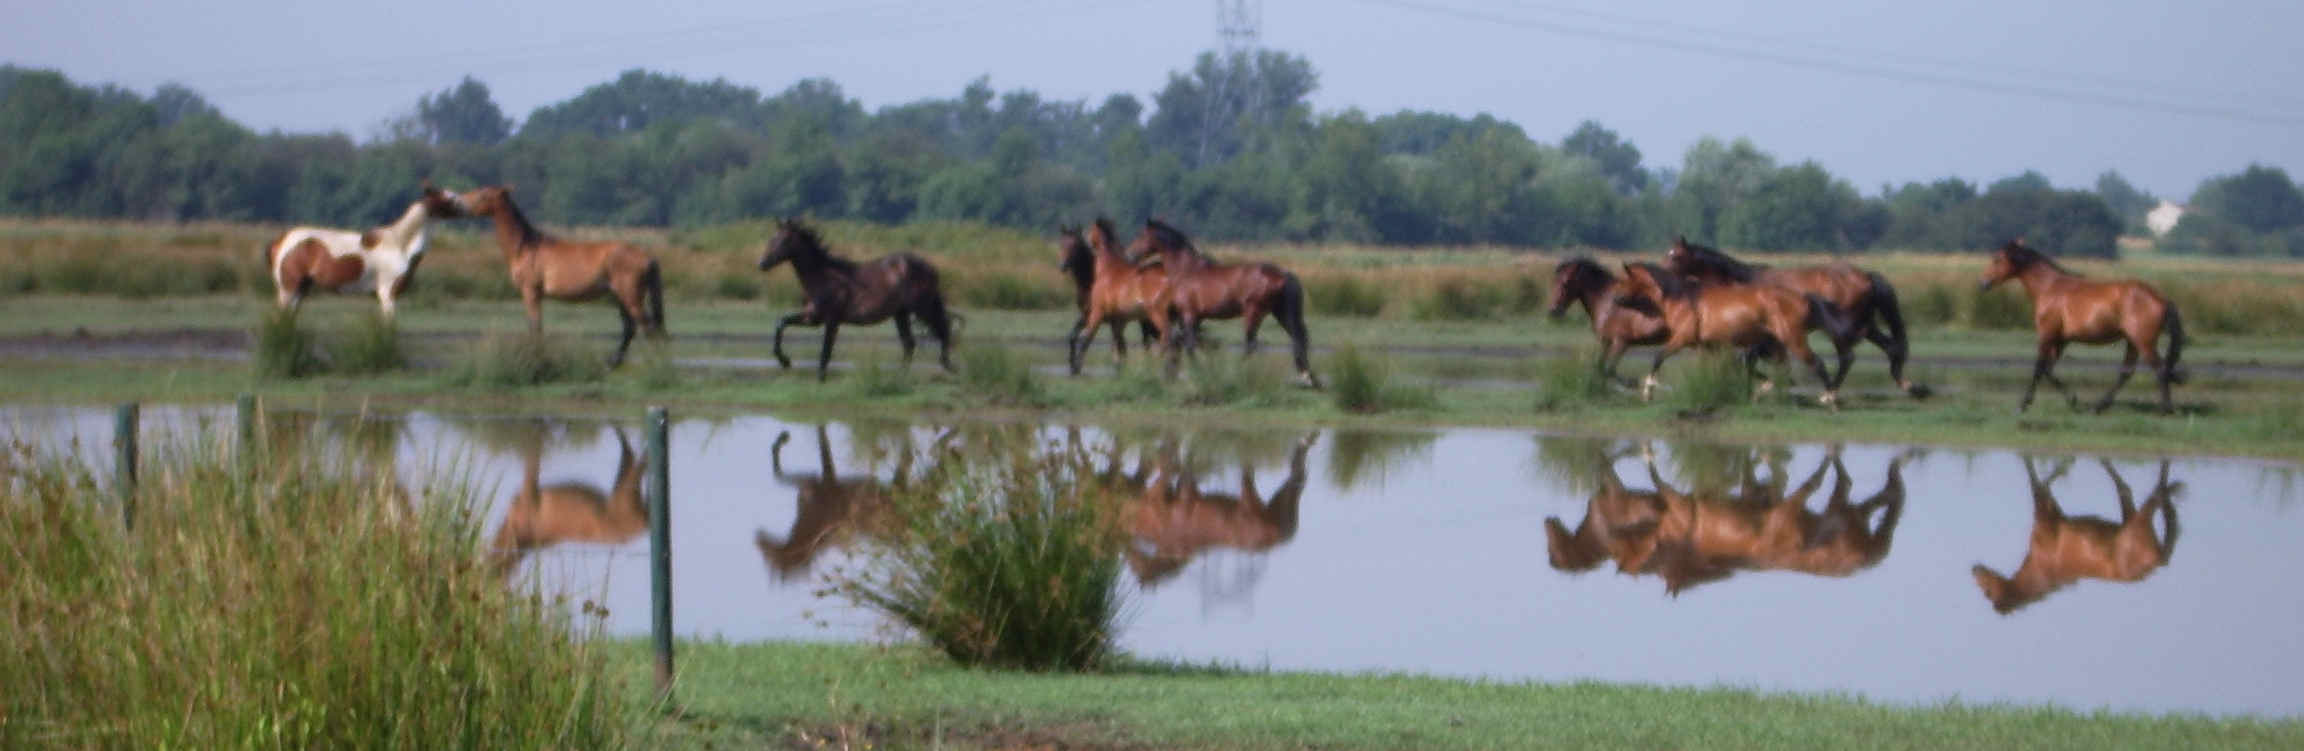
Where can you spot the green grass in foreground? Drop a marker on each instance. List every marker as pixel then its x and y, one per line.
pixel 735 696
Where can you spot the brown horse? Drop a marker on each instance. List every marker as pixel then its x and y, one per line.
pixel 1201 288
pixel 2067 307
pixel 2067 549
pixel 543 267
pixel 840 291
pixel 1763 320
pixel 1173 520
pixel 1078 261
pixel 546 515
pixel 1617 325
pixel 1119 291
pixel 831 508
pixel 1865 299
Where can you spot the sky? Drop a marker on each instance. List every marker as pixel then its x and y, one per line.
pixel 2166 92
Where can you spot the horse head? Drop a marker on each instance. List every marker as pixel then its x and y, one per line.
pixel 1572 279
pixel 793 240
pixel 1158 238
pixel 487 201
pixel 2012 260
pixel 1700 262
pixel 441 204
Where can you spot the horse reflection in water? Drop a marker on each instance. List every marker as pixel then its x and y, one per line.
pixel 831 509
pixel 1690 540
pixel 2065 549
pixel 542 516
pixel 1171 520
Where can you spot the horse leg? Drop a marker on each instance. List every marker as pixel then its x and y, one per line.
pixel 2048 352
pixel 1798 347
pixel 776 343
pixel 2160 373
pixel 939 322
pixel 1250 320
pixel 1120 341
pixel 1751 360
pixel 1076 350
pixel 824 360
pixel 623 313
pixel 1611 355
pixel 1648 384
pixel 2069 398
pixel 532 300
pixel 904 336
pixel 2127 368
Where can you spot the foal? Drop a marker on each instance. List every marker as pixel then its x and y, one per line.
pixel 543 266
pixel 382 259
pixel 2067 307
pixel 1758 318
pixel 840 291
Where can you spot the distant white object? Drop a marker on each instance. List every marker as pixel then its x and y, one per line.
pixel 2163 217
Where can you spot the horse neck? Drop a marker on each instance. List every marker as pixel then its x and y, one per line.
pixel 513 232
pixel 816 269
pixel 410 230
pixel 1593 296
pixel 2038 276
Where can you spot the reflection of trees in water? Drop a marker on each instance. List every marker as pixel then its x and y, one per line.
pixel 516 437
pixel 1357 455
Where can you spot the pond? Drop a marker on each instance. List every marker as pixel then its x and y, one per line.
pixel 1896 573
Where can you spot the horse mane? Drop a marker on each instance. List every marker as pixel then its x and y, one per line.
pixel 529 234
pixel 1711 257
pixel 1582 267
pixel 815 241
pixel 2023 257
pixel 1169 236
pixel 1104 225
pixel 1674 286
pixel 1079 257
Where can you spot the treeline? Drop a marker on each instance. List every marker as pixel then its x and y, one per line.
pixel 1230 148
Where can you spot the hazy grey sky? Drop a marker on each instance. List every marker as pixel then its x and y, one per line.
pixel 2167 92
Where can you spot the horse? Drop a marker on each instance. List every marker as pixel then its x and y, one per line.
pixel 1617 325
pixel 2066 549
pixel 1864 298
pixel 1201 288
pixel 542 266
pixel 545 515
pixel 839 291
pixel 383 259
pixel 2068 307
pixel 1764 320
pixel 1119 291
pixel 1078 261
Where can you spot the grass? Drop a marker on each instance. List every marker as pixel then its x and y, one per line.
pixel 1359 383
pixel 854 696
pixel 1571 382
pixel 1710 380
pixel 284 349
pixel 305 604
pixel 506 361
pixel 370 346
pixel 1009 562
pixel 996 375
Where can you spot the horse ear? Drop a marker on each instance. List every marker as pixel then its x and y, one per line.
pixel 428 187
pixel 508 188
pixel 1679 241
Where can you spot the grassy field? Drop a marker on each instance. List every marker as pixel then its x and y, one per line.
pixel 856 696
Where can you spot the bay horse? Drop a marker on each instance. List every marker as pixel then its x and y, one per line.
pixel 381 260
pixel 1119 291
pixel 2068 307
pixel 2065 549
pixel 546 267
pixel 1078 261
pixel 1617 322
pixel 1201 288
pixel 1763 320
pixel 1864 298
pixel 546 515
pixel 839 291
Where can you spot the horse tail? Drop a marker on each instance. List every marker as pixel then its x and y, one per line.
pixel 652 287
pixel 1289 310
pixel 2174 322
pixel 1891 315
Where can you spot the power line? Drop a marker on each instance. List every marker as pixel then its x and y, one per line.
pixel 1854 69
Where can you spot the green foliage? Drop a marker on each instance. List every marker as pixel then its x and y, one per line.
pixel 311 605
pixel 1216 379
pixel 1011 563
pixel 1571 382
pixel 1010 292
pixel 1346 296
pixel 995 374
pixel 2260 199
pixel 1710 380
pixel 1359 383
pixel 1458 300
pixel 284 349
pixel 505 361
pixel 371 345
pixel 874 379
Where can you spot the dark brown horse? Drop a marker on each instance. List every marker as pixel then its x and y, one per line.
pixel 1078 261
pixel 545 515
pixel 1201 288
pixel 1865 299
pixel 1762 320
pixel 1119 291
pixel 840 291
pixel 543 267
pixel 2065 549
pixel 2067 307
pixel 1617 323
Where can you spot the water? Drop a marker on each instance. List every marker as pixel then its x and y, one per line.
pixel 1434 551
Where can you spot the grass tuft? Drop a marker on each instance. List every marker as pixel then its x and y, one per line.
pixel 371 345
pixel 1359 383
pixel 994 373
pixel 1712 379
pixel 1571 382
pixel 284 350
pixel 874 379
pixel 519 360
pixel 1214 380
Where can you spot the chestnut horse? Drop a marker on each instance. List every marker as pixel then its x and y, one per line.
pixel 546 515
pixel 2067 307
pixel 1764 320
pixel 543 267
pixel 2067 549
pixel 1201 288
pixel 839 291
pixel 1078 261
pixel 382 260
pixel 1616 322
pixel 1119 292
pixel 1865 299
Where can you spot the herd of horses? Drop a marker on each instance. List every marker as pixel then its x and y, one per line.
pixel 1698 297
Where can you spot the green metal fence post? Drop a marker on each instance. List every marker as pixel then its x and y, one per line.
pixel 124 461
pixel 660 540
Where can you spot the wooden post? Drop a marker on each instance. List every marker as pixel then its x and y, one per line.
pixel 124 461
pixel 660 541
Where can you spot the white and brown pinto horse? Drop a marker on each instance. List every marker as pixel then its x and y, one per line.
pixel 381 260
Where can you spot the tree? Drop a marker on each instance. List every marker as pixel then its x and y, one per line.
pixel 2030 180
pixel 1797 208
pixel 1619 160
pixel 2259 199
pixel 1714 177
pixel 1205 117
pixel 463 113
pixel 2125 200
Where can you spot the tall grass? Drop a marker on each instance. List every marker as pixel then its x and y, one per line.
pixel 1215 379
pixel 309 605
pixel 524 359
pixel 1564 383
pixel 995 374
pixel 371 345
pixel 283 348
pixel 1011 563
pixel 1359 383
pixel 1710 380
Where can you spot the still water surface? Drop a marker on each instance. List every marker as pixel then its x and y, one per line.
pixel 1895 573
